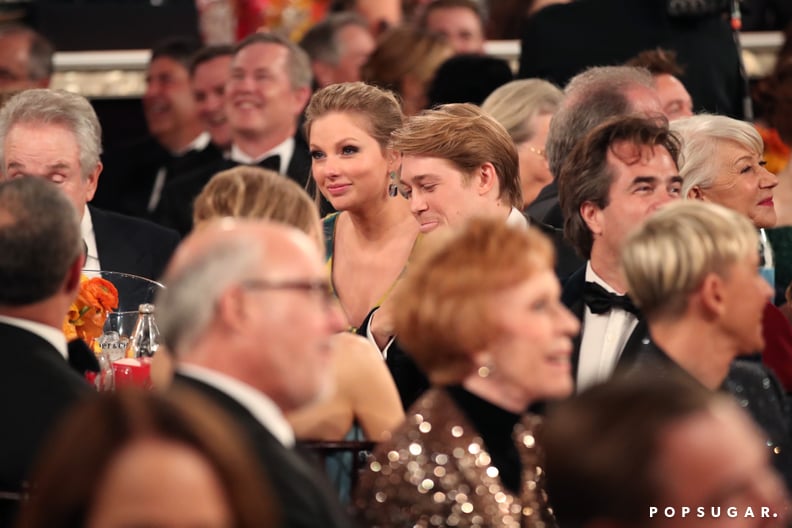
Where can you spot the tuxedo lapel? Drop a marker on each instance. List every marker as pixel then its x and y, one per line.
pixel 572 297
pixel 112 257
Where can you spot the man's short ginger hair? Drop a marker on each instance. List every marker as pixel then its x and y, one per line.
pixel 468 137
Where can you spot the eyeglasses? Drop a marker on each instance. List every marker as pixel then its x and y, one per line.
pixel 538 151
pixel 321 287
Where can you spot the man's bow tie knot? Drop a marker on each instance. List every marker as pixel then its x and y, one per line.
pixel 601 301
pixel 271 162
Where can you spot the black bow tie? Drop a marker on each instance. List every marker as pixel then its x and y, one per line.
pixel 272 163
pixel 601 301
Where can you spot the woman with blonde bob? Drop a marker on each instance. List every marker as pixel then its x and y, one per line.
pixel 525 108
pixel 481 314
pixel 693 269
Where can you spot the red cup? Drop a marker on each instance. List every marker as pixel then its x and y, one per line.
pixel 130 372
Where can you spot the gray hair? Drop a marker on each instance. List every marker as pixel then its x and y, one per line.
pixel 321 42
pixel 591 97
pixel 670 254
pixel 40 237
pixel 700 135
pixel 186 306
pixel 515 105
pixel 58 107
pixel 298 64
pixel 40 53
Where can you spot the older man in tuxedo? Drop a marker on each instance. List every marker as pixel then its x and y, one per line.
pixel 270 85
pixel 56 136
pixel 39 276
pixel 248 314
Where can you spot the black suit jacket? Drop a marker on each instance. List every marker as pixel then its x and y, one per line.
pixel 129 173
pixel 175 209
pixel 572 297
pixel 304 496
pixel 562 40
pixel 37 386
pixel 132 245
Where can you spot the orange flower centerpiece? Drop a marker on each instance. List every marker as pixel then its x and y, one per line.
pixel 87 314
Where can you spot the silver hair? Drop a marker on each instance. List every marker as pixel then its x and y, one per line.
pixel 186 306
pixel 591 97
pixel 298 65
pixel 57 107
pixel 321 40
pixel 700 135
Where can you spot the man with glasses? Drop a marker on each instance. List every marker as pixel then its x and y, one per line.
pixel 255 340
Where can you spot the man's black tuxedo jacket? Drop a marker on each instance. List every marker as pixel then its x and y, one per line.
pixel 127 181
pixel 304 497
pixel 175 209
pixel 37 386
pixel 572 297
pixel 132 245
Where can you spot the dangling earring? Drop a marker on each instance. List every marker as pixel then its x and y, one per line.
pixel 393 188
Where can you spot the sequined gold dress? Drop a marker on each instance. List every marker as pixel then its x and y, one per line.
pixel 437 471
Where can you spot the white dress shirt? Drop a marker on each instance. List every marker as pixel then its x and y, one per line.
pixel 87 230
pixel 285 150
pixel 255 401
pixel 53 336
pixel 602 340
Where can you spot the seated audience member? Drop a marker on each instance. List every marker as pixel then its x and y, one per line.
pixel 721 162
pixel 39 278
pixel 457 163
pixel 370 239
pixel 269 86
pixel 141 459
pixel 338 46
pixel 405 61
pixel 177 143
pixel 591 97
pixel 658 452
pixel 364 397
pixel 25 59
pixel 364 403
pixel 618 175
pixel 210 69
pixel 258 292
pixel 665 71
pixel 461 22
pixel 693 270
pixel 480 311
pixel 468 79
pixel 525 108
pixel 55 135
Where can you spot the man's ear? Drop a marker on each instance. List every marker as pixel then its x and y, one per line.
pixel 93 182
pixel 487 178
pixel 232 308
pixel 301 97
pixel 591 214
pixel 323 73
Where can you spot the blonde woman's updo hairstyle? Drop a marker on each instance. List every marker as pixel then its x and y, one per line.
pixel 444 314
pixel 380 108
